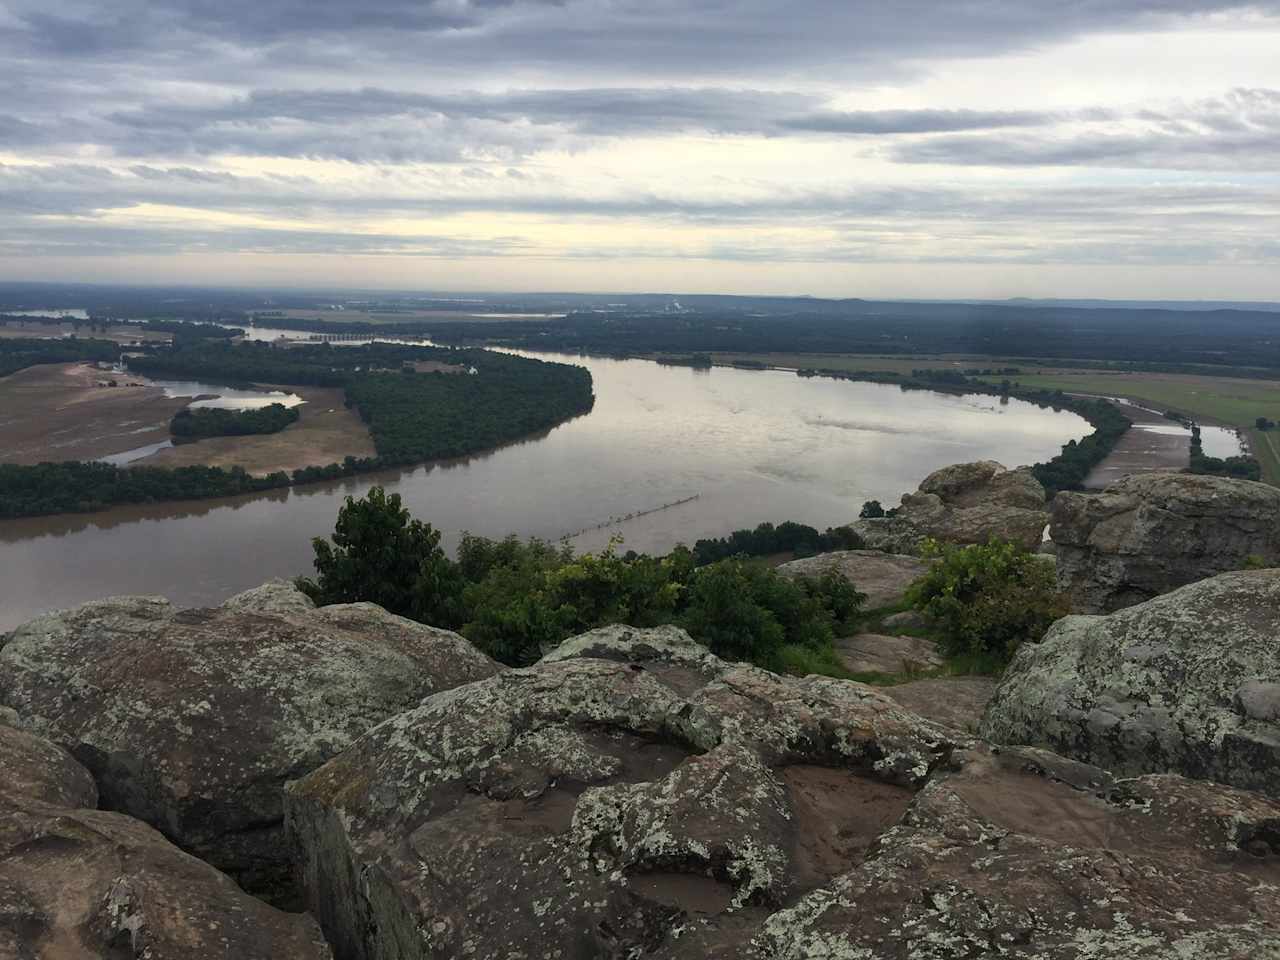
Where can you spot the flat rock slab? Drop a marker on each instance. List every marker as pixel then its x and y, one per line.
pixel 675 807
pixel 955 701
pixel 877 653
pixel 883 577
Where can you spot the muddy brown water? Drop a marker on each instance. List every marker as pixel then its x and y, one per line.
pixel 732 448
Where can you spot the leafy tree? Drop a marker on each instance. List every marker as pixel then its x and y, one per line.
pixel 987 599
pixel 381 555
pixel 871 510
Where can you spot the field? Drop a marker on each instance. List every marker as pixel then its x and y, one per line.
pixel 58 411
pixel 392 317
pixel 120 333
pixel 325 433
pixel 1266 448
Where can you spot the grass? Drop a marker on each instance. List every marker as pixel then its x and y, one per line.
pixel 1265 445
pixel 1230 401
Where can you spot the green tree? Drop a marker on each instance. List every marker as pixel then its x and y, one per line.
pixel 381 555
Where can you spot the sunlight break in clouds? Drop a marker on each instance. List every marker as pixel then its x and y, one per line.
pixel 840 148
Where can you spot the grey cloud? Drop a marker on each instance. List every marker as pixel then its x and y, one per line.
pixel 881 122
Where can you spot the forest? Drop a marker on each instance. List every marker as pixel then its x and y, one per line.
pixel 412 416
pixel 192 424
pixel 18 354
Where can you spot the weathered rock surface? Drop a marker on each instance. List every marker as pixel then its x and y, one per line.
pixel 192 720
pixel 958 702
pixel 1019 853
pixel 883 577
pixel 878 653
pixel 81 884
pixel 964 503
pixel 1147 534
pixel 593 808
pixel 1188 682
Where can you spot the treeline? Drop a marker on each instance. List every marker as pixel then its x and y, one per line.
pixel 192 424
pixel 515 599
pixel 1242 468
pixel 18 354
pixel 411 416
pixel 765 540
pixel 79 487
pixel 1068 470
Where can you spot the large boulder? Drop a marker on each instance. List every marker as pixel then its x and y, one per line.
pixel 79 883
pixel 883 577
pixel 1188 683
pixel 1149 533
pixel 633 796
pixel 192 720
pixel 964 503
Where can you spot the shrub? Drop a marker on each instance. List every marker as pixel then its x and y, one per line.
pixel 987 600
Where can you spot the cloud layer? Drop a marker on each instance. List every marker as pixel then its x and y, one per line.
pixel 849 132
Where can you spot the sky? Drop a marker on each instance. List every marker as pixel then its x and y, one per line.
pixel 960 148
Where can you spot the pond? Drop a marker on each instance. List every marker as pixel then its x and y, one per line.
pixel 682 453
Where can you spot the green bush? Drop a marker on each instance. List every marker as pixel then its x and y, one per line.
pixel 514 599
pixel 985 601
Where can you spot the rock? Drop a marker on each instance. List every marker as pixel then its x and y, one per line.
pixel 1188 683
pixel 587 808
pixel 192 720
pixel 1149 533
pixel 39 770
pixel 954 701
pixel 81 883
pixel 883 577
pixel 907 620
pixel 1018 853
pixel 965 503
pixel 877 653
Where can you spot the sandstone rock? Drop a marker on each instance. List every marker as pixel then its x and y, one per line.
pixel 586 808
pixel 954 701
pixel 1188 682
pixel 877 653
pixel 36 769
pixel 1018 853
pixel 883 577
pixel 1149 533
pixel 192 720
pixel 907 620
pixel 79 883
pixel 964 503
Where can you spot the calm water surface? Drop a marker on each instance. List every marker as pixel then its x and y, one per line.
pixel 749 445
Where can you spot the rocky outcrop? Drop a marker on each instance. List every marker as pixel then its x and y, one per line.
pixel 883 577
pixel 633 796
pixel 964 503
pixel 192 720
pixel 881 653
pixel 81 883
pixel 956 702
pixel 1188 682
pixel 1147 534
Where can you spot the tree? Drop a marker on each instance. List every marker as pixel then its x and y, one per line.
pixel 380 555
pixel 1263 423
pixel 871 510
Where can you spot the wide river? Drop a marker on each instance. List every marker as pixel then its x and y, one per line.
pixel 748 446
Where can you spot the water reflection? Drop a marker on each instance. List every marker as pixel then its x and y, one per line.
pixel 749 445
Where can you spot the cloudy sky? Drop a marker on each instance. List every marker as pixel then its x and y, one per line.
pixel 912 148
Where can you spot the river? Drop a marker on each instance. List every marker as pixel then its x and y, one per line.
pixel 746 446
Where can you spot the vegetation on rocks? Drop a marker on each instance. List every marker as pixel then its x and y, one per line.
pixel 985 601
pixel 514 599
